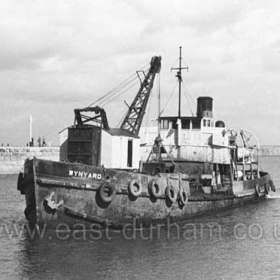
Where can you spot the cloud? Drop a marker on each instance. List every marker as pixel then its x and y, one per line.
pixel 58 55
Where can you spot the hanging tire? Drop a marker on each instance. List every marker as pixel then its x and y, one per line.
pixel 182 196
pixel 170 193
pixel 107 192
pixel 258 190
pixel 272 187
pixel 266 188
pixel 135 188
pixel 154 189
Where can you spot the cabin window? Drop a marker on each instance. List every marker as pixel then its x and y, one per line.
pixel 174 124
pixel 208 123
pixel 185 124
pixel 204 123
pixel 164 124
pixel 196 124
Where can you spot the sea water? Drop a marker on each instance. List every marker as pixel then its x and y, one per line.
pixel 241 243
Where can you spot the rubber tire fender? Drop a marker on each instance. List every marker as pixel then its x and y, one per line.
pixel 154 189
pixel 272 187
pixel 266 187
pixel 170 194
pixel 258 190
pixel 182 196
pixel 107 192
pixel 135 188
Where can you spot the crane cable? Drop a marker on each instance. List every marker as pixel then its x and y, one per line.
pixel 117 90
pixel 114 91
pixel 114 96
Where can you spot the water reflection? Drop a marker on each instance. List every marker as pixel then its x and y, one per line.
pixel 201 246
pixel 239 243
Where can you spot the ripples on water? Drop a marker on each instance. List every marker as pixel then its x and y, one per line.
pixel 241 243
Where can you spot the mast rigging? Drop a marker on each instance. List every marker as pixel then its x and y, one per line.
pixel 179 76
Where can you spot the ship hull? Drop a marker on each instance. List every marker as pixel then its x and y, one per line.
pixel 68 194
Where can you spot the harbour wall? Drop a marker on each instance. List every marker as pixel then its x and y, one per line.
pixel 270 151
pixel 12 158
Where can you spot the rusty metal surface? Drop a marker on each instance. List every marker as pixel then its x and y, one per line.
pixel 84 145
pixel 76 187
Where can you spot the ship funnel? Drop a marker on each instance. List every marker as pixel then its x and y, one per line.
pixel 204 107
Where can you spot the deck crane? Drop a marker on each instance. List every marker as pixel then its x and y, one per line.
pixel 134 117
pixel 93 142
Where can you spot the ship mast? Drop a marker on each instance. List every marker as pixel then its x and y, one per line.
pixel 158 123
pixel 179 76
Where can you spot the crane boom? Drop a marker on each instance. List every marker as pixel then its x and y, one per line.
pixel 134 117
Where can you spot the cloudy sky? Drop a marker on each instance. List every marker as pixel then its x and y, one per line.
pixel 59 55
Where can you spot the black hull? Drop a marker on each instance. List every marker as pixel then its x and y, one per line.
pixel 55 199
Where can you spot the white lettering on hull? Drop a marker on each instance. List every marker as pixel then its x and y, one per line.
pixel 83 174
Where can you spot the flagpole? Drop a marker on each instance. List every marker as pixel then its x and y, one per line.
pixel 30 128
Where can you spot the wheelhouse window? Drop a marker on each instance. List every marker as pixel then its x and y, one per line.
pixel 196 124
pixel 164 124
pixel 185 124
pixel 174 124
pixel 204 123
pixel 207 123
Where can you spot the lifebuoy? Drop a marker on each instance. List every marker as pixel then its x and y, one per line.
pixel 182 196
pixel 272 187
pixel 154 189
pixel 135 188
pixel 107 192
pixel 258 190
pixel 170 193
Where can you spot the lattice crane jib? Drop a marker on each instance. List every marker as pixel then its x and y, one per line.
pixel 134 117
